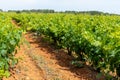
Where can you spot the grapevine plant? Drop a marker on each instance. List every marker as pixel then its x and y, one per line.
pixel 94 38
pixel 9 39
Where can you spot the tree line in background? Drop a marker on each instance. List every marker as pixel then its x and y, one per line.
pixel 53 11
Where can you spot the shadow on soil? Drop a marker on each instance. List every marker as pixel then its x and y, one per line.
pixel 64 60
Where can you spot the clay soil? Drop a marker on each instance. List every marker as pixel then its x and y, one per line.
pixel 38 59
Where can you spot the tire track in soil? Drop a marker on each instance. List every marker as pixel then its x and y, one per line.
pixel 26 68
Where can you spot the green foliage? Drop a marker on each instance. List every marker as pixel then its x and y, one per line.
pixel 96 39
pixel 9 39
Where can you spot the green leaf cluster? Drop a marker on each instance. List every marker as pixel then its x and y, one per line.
pixel 94 38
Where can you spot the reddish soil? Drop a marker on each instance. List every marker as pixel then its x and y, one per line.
pixel 40 60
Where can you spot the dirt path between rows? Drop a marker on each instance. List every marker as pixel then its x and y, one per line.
pixel 26 68
pixel 39 60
